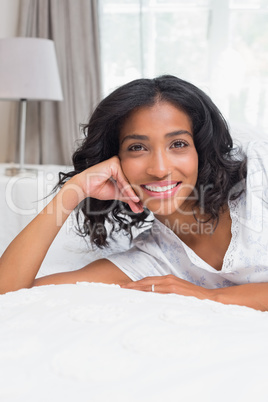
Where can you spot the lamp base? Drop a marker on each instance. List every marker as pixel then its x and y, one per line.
pixel 23 172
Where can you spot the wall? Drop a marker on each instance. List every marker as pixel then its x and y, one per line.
pixel 9 12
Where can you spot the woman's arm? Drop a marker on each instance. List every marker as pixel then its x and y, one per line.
pixel 102 270
pixel 254 295
pixel 22 259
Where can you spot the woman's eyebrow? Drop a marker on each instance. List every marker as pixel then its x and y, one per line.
pixel 135 137
pixel 146 138
pixel 179 132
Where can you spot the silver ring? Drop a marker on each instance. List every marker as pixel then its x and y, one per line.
pixel 152 288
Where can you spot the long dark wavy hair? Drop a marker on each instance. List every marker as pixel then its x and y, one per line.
pixel 221 167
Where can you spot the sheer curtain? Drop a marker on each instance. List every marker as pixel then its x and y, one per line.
pixel 219 45
pixel 53 127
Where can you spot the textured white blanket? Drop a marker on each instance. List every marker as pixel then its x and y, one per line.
pixel 95 342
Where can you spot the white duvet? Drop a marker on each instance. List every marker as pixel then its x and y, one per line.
pixel 95 342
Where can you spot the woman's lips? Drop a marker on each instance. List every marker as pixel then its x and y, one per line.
pixel 164 189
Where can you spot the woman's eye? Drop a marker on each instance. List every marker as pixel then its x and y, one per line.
pixel 179 144
pixel 136 148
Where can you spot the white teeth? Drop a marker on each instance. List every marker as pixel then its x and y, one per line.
pixel 160 189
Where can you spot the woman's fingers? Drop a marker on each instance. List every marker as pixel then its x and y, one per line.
pixel 136 207
pixel 169 284
pixel 156 284
pixel 160 284
pixel 126 192
pixel 106 181
pixel 122 183
pixel 128 195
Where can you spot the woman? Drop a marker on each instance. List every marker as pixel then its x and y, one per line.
pixel 157 145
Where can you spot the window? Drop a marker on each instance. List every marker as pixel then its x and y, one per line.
pixel 218 45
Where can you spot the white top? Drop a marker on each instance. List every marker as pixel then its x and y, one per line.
pixel 158 251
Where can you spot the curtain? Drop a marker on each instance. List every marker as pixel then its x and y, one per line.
pixel 52 128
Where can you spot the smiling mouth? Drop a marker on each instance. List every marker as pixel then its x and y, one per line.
pixel 160 189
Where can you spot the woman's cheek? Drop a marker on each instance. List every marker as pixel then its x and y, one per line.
pixel 133 170
pixel 125 165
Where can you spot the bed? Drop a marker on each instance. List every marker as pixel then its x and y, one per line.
pixel 96 342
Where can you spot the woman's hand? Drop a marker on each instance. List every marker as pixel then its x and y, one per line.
pixel 253 295
pixel 169 284
pixel 106 181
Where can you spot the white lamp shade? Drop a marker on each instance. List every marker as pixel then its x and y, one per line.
pixel 28 69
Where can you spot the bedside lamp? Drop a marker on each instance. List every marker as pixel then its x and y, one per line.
pixel 28 71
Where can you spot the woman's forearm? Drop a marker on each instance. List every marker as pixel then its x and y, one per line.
pixel 22 259
pixel 254 295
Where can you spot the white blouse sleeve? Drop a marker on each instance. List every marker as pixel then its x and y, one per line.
pixel 257 177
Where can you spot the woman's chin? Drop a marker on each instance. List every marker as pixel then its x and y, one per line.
pixel 161 207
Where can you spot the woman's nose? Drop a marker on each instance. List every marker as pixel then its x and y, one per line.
pixel 159 165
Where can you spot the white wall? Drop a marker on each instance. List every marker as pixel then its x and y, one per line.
pixel 9 12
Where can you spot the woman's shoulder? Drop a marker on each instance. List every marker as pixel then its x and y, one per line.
pixel 257 156
pixel 255 149
pixel 256 153
pixel 257 170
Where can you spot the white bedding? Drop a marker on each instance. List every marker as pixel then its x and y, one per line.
pixel 95 342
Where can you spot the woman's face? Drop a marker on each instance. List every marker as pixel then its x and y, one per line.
pixel 159 158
